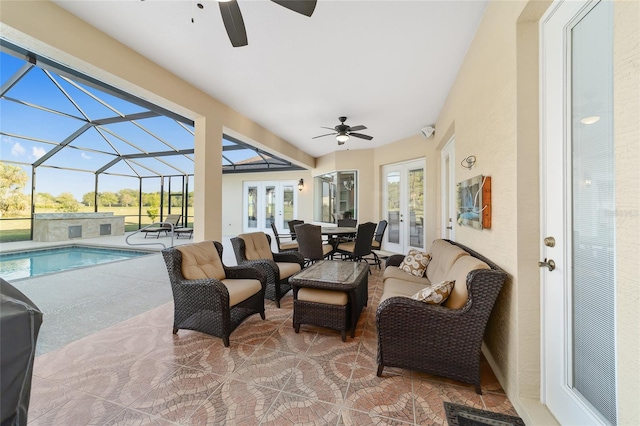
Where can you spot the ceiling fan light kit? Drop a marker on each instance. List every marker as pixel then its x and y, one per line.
pixel 343 132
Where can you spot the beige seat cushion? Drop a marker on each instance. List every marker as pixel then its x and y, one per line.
pixel 458 273
pixel 443 256
pixel 256 246
pixel 326 249
pixel 403 287
pixel 348 246
pixel 328 297
pixel 375 245
pixel 287 269
pixel 289 245
pixel 395 272
pixel 241 289
pixel 201 260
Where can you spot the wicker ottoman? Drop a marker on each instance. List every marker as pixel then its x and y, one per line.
pixel 330 294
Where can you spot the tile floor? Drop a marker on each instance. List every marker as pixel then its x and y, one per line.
pixel 137 372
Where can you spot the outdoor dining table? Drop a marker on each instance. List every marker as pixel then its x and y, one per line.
pixel 333 231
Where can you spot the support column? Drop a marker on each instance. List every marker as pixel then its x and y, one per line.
pixel 208 179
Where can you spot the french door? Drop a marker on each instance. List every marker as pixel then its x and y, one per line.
pixel 448 190
pixel 404 206
pixel 269 202
pixel 578 255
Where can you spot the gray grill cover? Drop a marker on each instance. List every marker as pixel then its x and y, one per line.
pixel 20 321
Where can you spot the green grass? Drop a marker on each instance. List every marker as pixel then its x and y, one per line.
pixel 19 229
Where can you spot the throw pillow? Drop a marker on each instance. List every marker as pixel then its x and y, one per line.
pixel 415 262
pixel 435 294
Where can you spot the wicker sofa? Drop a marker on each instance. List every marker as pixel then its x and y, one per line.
pixel 444 340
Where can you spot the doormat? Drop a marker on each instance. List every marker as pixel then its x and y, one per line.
pixel 461 415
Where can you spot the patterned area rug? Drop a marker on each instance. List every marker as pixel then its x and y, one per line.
pixel 460 415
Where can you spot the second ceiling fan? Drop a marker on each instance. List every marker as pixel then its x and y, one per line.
pixel 234 24
pixel 344 131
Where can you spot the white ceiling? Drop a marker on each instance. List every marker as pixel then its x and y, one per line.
pixel 387 65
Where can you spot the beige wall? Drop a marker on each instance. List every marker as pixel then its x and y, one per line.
pixel 626 95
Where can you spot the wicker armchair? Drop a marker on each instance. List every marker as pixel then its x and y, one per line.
pixel 215 298
pixel 434 339
pixel 254 249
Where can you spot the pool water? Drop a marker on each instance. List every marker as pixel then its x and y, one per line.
pixel 40 262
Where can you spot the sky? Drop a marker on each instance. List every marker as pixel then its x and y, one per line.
pixel 28 133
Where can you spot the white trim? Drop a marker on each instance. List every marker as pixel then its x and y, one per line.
pixel 448 152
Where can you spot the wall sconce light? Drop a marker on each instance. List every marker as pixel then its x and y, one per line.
pixel 300 184
pixel 468 162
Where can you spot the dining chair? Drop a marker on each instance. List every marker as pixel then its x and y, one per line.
pixel 376 244
pixel 310 243
pixel 347 223
pixel 292 225
pixel 283 245
pixel 361 246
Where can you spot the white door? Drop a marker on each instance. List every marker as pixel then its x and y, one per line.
pixel 448 189
pixel 577 190
pixel 267 202
pixel 404 206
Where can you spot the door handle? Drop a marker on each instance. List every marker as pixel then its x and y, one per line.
pixel 449 227
pixel 551 264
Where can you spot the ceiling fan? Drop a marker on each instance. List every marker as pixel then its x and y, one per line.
pixel 234 23
pixel 344 131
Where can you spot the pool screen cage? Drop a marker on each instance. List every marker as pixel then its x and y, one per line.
pixel 57 119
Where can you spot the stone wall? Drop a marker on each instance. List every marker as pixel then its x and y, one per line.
pixel 70 226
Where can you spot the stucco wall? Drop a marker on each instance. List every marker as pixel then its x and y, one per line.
pixel 626 97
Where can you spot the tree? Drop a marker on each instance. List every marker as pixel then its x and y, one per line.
pixel 108 199
pixel 89 199
pixel 151 199
pixel 12 182
pixel 128 197
pixel 152 212
pixel 67 203
pixel 44 200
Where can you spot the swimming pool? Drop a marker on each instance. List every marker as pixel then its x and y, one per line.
pixel 55 259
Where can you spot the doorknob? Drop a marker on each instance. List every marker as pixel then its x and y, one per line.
pixel 551 264
pixel 449 227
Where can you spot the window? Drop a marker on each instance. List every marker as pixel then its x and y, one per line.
pixel 335 196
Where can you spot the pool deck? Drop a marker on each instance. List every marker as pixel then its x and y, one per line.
pixel 82 301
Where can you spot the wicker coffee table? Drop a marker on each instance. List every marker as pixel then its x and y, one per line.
pixel 330 294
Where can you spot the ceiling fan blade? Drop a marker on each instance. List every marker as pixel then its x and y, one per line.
pixel 305 7
pixel 356 128
pixel 328 128
pixel 233 23
pixel 321 136
pixel 361 136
